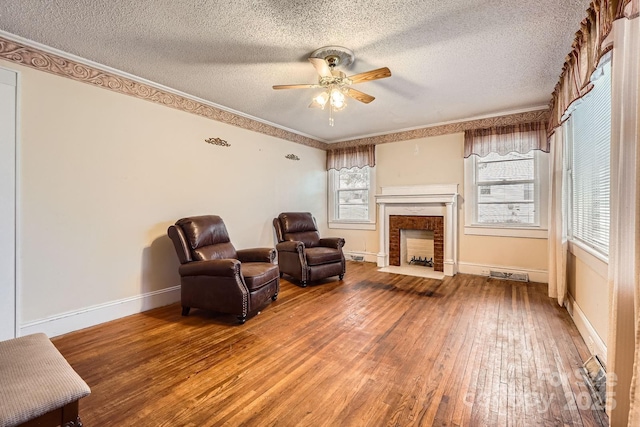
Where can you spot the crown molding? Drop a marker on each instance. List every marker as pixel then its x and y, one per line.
pixel 62 64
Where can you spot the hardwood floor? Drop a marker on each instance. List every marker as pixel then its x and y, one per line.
pixel 376 349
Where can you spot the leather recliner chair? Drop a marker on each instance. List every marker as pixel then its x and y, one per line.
pixel 302 254
pixel 214 276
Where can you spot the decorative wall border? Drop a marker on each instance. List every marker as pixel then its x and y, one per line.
pixel 29 56
pixel 55 64
pixel 455 127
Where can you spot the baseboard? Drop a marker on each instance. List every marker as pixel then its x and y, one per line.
pixel 90 316
pixel 368 256
pixel 586 330
pixel 541 276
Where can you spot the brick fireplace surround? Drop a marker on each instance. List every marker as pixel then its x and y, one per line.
pixel 406 222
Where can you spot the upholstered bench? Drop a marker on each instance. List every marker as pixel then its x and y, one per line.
pixel 37 385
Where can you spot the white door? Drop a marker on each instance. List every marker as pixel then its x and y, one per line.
pixel 8 86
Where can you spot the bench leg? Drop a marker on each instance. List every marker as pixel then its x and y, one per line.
pixel 67 416
pixel 70 417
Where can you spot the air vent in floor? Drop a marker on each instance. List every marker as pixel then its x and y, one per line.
pixel 595 377
pixel 519 277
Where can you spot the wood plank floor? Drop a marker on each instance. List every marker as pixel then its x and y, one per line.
pixel 376 349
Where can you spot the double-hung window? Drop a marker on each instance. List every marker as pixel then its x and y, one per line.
pixel 351 197
pixel 506 194
pixel 351 172
pixel 505 188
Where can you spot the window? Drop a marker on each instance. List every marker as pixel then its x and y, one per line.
pixel 506 194
pixel 505 189
pixel 351 198
pixel 589 142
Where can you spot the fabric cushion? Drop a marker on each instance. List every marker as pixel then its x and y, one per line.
pixel 35 379
pixel 322 255
pixel 258 274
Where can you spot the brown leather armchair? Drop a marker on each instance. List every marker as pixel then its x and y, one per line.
pixel 302 254
pixel 214 276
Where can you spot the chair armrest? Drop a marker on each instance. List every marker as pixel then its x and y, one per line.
pixel 257 255
pixel 213 267
pixel 332 242
pixel 290 246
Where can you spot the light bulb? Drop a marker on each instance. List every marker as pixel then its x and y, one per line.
pixel 337 98
pixel 322 98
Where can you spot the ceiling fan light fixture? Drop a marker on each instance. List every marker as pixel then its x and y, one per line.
pixel 320 101
pixel 335 83
pixel 337 99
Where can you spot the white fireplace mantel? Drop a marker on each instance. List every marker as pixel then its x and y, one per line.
pixel 426 200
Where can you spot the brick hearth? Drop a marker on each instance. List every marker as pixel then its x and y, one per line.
pixel 408 222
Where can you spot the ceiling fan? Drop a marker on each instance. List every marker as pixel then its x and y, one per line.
pixel 335 83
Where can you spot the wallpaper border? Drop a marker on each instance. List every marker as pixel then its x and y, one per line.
pixel 29 56
pixel 38 59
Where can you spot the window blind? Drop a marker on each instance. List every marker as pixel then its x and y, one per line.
pixel 590 165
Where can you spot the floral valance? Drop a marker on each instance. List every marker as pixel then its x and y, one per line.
pixel 349 157
pixel 587 49
pixel 520 138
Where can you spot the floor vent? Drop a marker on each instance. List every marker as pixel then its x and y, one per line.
pixel 357 258
pixel 595 377
pixel 519 277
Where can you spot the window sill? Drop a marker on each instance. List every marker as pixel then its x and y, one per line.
pixel 352 225
pixel 526 232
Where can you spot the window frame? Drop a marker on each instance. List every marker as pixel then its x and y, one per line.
pixel 333 203
pixel 538 230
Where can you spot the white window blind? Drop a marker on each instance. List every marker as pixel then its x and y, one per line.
pixel 590 127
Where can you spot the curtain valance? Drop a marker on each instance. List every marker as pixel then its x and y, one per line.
pixel 520 138
pixel 349 157
pixel 587 49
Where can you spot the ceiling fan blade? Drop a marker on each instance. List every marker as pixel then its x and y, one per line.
pixel 359 96
pixel 321 67
pixel 380 73
pixel 294 86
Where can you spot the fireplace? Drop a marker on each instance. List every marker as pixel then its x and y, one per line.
pixel 397 223
pixel 427 207
pixel 416 247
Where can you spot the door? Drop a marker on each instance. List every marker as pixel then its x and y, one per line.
pixel 8 88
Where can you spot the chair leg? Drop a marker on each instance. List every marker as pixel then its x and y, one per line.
pixel 341 276
pixel 303 283
pixel 274 297
pixel 185 310
pixel 242 319
pixel 281 274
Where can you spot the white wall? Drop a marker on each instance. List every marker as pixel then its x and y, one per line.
pixel 8 84
pixel 588 301
pixel 102 175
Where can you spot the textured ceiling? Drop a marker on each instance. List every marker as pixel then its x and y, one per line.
pixel 450 60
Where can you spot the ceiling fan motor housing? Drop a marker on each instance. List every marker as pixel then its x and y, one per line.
pixel 334 56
